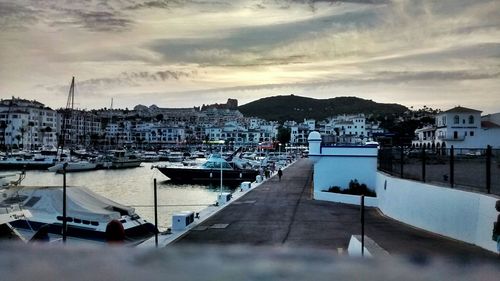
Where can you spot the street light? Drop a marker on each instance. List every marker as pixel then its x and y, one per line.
pixel 279 149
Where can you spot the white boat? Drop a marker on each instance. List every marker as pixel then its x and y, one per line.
pixel 175 156
pixel 87 214
pixel 123 159
pixel 150 156
pixel 9 179
pixel 37 161
pixel 74 166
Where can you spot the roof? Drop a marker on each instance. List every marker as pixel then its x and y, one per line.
pixel 489 124
pixel 460 109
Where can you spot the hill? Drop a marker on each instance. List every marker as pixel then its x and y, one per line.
pixel 282 108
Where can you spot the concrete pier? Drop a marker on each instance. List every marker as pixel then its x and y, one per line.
pixel 282 213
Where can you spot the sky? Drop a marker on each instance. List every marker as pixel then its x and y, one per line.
pixel 176 53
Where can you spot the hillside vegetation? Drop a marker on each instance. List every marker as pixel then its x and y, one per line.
pixel 282 108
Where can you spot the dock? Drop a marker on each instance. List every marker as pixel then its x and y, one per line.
pixel 283 214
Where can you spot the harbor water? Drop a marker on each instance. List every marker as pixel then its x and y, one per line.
pixel 134 187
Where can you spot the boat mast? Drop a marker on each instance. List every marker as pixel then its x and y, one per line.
pixel 220 196
pixel 67 115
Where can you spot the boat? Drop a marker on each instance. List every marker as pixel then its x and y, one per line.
pixel 123 159
pixel 150 156
pixel 7 216
pixel 27 162
pixel 7 180
pixel 74 166
pixel 175 156
pixel 88 214
pixel 209 172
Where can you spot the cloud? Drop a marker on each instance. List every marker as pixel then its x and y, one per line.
pixel 94 15
pixel 418 76
pixel 134 79
pixel 256 44
pixel 15 16
pixel 101 21
pixel 253 47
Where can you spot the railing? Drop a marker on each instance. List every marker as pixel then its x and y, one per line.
pixel 470 169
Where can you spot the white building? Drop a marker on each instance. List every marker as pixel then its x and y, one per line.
pixel 26 123
pixel 310 123
pixel 298 134
pixel 461 127
pixel 80 129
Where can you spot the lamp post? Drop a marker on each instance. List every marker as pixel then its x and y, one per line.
pixel 279 144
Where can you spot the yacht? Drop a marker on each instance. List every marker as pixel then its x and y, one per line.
pixel 150 156
pixel 27 162
pixel 123 159
pixel 88 214
pixel 175 156
pixel 209 172
pixel 74 166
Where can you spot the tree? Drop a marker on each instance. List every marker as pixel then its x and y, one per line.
pixel 18 139
pixel 31 124
pixel 47 130
pixel 284 135
pixel 159 117
pixel 3 126
pixel 22 130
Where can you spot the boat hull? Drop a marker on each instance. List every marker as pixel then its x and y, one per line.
pixel 74 167
pixel 26 165
pixel 135 234
pixel 187 175
pixel 126 164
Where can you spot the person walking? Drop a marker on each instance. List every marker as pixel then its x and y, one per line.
pixel 280 174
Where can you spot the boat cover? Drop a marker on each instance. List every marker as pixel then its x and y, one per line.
pixel 81 203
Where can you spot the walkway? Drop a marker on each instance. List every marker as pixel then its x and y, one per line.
pixel 282 213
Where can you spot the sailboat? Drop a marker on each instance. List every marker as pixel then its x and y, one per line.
pixel 70 166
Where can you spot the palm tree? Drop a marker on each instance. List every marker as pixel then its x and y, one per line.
pixel 22 130
pixel 3 127
pixel 18 139
pixel 44 131
pixel 30 126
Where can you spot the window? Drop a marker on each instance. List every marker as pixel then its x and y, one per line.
pixel 471 119
pixel 471 133
pixel 455 135
pixel 456 119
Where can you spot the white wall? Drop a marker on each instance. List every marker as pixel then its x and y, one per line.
pixel 337 166
pixel 345 198
pixel 461 215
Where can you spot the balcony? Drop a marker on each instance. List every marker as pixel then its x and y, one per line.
pixel 459 138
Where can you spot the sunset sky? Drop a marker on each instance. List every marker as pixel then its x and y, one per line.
pixel 176 53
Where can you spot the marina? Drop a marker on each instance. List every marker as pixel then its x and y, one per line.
pixel 134 187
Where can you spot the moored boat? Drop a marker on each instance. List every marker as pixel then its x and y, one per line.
pixel 88 214
pixel 122 159
pixel 31 162
pixel 150 156
pixel 209 172
pixel 74 166
pixel 175 156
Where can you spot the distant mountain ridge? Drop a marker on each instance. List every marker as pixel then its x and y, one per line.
pixel 291 107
